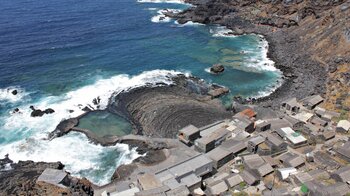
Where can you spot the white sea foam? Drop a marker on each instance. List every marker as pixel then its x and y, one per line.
pixel 74 150
pixel 7 96
pixel 161 17
pixel 162 1
pixel 261 61
pixel 207 70
pixel 221 31
pixel 7 167
pixel 270 89
pixel 189 23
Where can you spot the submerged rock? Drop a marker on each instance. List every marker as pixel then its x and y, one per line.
pixel 217 68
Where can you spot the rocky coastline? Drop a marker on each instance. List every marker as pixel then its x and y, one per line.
pixel 20 179
pixel 160 111
pixel 306 40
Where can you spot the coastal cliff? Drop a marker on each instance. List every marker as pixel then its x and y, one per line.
pixel 309 41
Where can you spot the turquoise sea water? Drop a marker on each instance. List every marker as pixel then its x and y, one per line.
pixel 62 54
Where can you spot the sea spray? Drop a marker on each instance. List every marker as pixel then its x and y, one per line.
pixel 221 31
pixel 6 95
pixel 162 1
pixel 161 17
pixel 25 136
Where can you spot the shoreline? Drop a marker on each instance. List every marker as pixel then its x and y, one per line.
pixel 187 95
pixel 280 51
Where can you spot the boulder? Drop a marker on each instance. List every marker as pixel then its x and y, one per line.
pixel 217 68
pixel 14 92
pixel 39 113
pixel 49 111
pixel 16 110
pixel 96 101
pixel 214 93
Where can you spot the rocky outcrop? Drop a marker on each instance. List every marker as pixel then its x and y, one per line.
pixel 20 179
pixel 39 113
pixel 64 127
pixel 216 92
pixel 217 68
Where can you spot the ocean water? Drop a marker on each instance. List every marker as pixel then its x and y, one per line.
pixel 63 54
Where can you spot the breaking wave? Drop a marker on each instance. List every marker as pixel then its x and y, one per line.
pixel 189 23
pixel 222 31
pixel 161 17
pixel 162 1
pixel 6 95
pixel 23 137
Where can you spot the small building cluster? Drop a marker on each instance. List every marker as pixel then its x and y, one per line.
pixel 302 151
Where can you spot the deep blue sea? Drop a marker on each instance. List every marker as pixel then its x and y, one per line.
pixel 62 54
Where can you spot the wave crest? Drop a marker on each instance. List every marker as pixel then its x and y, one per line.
pixel 23 135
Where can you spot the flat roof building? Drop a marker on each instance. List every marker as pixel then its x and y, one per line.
pixel 318 121
pixel 343 126
pixel 243 123
pixel 209 141
pixel 292 160
pixel 274 142
pixel 312 101
pixel 188 134
pixel 55 177
pixel 250 113
pixel 254 142
pixel 262 125
pixel 217 188
pixel 291 105
pixel 344 151
pixel 180 191
pixel 234 146
pixel 249 178
pixel 342 174
pixel 296 139
pixel 284 173
pixel 256 165
pixel 148 181
pixel 303 116
pixel 187 173
pixel 220 156
pixel 233 180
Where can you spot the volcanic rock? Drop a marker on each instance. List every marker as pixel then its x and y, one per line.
pixel 217 68
pixel 161 111
pixel 39 113
pixel 64 127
